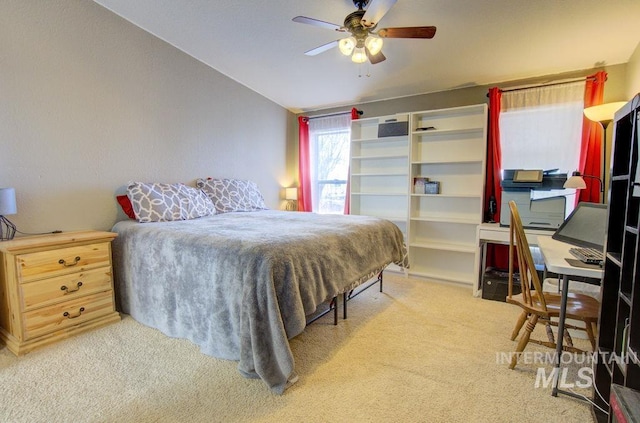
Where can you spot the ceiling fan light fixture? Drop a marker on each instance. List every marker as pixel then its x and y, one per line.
pixel 359 55
pixel 346 45
pixel 363 40
pixel 374 44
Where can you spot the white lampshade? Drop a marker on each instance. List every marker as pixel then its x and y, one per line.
pixel 603 112
pixel 291 193
pixel 359 55
pixel 576 182
pixel 346 45
pixel 8 201
pixel 374 44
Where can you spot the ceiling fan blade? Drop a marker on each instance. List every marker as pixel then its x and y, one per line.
pixel 408 32
pixel 322 48
pixel 376 10
pixel 319 23
pixel 375 58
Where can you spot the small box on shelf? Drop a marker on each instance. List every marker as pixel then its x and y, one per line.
pixel 432 187
pixel 419 183
pixel 393 127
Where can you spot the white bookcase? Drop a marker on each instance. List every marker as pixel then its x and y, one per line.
pixel 448 146
pixel 379 171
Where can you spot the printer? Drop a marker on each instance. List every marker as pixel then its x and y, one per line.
pixel 530 191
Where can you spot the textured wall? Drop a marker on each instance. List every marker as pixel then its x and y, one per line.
pixel 89 101
pixel 617 86
pixel 633 73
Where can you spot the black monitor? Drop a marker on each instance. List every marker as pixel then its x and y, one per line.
pixel 585 226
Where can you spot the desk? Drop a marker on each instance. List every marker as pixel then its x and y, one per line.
pixel 493 233
pixel 554 253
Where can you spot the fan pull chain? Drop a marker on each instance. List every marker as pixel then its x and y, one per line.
pixel 368 75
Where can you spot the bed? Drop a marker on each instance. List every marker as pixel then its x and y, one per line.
pixel 241 284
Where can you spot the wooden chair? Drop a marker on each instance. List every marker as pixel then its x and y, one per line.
pixel 538 305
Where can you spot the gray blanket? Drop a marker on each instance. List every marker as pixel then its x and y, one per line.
pixel 239 285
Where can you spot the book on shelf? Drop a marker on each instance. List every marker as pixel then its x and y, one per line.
pixel 419 183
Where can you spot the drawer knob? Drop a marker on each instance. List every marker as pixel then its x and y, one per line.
pixel 65 264
pixel 69 316
pixel 68 291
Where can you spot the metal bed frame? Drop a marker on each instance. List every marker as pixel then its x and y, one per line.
pixel 346 297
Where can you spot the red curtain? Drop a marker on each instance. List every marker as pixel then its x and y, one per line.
pixel 304 165
pixel 355 114
pixel 591 154
pixel 497 254
pixel 494 155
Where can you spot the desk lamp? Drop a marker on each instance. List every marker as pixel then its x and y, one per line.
pixel 291 195
pixel 576 181
pixel 7 206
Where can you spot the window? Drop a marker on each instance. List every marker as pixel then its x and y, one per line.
pixel 329 139
pixel 541 128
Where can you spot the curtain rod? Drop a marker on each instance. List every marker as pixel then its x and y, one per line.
pixel 549 84
pixel 346 112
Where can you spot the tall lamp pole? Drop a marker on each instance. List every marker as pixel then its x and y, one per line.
pixel 603 114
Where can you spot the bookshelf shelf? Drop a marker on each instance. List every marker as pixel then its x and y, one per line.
pixel 442 211
pixel 442 226
pixel 379 168
pixel 619 322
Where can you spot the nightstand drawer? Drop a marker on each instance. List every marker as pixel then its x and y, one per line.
pixel 70 313
pixel 67 287
pixel 62 261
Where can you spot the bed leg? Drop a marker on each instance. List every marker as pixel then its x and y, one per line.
pixel 333 306
pixel 344 305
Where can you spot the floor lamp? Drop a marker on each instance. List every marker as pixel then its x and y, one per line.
pixel 603 114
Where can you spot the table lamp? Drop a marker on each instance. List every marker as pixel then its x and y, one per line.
pixel 291 195
pixel 7 206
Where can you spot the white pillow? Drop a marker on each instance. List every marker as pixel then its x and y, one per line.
pixel 232 195
pixel 156 202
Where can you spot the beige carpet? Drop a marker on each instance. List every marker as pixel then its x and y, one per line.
pixel 418 352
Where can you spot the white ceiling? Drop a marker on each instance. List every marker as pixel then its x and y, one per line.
pixel 477 42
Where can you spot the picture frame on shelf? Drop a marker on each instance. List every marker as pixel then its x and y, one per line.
pixel 419 184
pixel 432 187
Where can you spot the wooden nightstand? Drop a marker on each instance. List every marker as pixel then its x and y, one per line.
pixel 54 286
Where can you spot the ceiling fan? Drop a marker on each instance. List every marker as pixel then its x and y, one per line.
pixel 364 41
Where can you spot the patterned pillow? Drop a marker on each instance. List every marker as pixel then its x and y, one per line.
pixel 154 202
pixel 232 195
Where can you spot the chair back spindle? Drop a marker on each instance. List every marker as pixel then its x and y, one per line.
pixel 528 274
